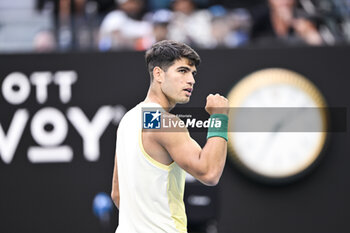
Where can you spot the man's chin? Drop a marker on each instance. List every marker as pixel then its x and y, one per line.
pixel 184 101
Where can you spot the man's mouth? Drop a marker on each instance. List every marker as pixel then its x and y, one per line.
pixel 188 91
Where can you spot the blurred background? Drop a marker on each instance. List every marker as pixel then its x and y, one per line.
pixel 70 69
pixel 105 25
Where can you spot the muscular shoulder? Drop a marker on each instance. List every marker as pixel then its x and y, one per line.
pixel 155 140
pixel 171 128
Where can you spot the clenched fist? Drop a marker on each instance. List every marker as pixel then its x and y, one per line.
pixel 216 104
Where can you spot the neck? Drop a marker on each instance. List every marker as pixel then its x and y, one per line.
pixel 155 95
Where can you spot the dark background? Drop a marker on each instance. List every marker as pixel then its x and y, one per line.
pixel 58 197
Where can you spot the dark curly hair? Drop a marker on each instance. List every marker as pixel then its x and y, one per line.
pixel 164 53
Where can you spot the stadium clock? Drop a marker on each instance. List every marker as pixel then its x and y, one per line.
pixel 277 155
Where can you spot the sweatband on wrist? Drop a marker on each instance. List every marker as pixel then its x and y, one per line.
pixel 217 129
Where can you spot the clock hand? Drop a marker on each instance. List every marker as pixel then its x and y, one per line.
pixel 276 129
pixel 291 115
pixel 291 118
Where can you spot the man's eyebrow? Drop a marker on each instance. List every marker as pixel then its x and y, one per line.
pixel 183 67
pixel 186 68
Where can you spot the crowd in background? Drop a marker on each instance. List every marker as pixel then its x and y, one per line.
pixel 104 25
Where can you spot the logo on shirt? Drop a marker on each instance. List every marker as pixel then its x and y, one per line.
pixel 151 119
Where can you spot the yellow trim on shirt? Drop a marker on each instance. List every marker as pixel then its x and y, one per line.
pixel 175 190
pixel 150 159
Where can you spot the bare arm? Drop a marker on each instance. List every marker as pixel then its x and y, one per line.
pixel 205 164
pixel 115 184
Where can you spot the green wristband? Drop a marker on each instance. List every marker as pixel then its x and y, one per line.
pixel 218 126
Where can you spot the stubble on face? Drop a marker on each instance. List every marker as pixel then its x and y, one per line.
pixel 179 81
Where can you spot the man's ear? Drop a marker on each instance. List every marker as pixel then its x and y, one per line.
pixel 158 74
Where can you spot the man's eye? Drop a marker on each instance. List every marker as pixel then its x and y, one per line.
pixel 182 71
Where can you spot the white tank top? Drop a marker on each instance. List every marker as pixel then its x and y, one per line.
pixel 151 193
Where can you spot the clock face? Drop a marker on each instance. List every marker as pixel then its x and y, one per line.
pixel 277 151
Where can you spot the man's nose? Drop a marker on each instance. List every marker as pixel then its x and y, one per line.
pixel 191 79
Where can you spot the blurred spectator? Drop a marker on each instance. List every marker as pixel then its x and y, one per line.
pixel 76 22
pixel 160 21
pixel 190 25
pixel 86 24
pixel 122 28
pixel 64 21
pixel 230 28
pixel 44 41
pixel 281 22
pixel 240 24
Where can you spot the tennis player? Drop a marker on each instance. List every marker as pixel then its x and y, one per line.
pixel 149 172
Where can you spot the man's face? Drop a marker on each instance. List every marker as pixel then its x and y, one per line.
pixel 178 80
